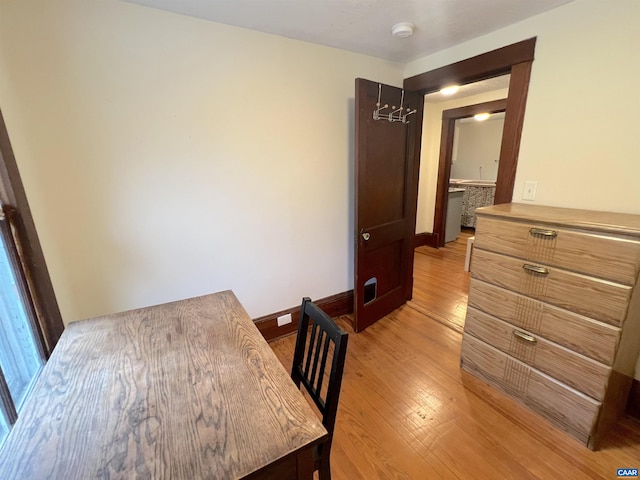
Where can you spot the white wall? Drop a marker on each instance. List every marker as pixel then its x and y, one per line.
pixel 165 156
pixel 430 153
pixel 580 134
pixel 478 149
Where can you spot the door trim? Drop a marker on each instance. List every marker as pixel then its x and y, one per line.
pixel 513 122
pixel 487 65
pixel 428 239
pixel 449 118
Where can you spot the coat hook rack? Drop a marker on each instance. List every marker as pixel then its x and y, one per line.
pixel 396 114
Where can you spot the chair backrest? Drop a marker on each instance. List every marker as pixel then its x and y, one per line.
pixel 310 358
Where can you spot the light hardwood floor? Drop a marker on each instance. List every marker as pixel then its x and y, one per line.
pixel 408 412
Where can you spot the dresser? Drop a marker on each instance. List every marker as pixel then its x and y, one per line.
pixel 554 312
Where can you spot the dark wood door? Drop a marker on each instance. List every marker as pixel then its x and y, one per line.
pixel 386 195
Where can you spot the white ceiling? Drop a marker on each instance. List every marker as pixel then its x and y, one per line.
pixel 364 26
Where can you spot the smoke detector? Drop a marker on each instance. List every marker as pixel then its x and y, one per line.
pixel 403 30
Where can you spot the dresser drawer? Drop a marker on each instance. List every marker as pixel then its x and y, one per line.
pixel 582 373
pixel 598 299
pixel 607 257
pixel 570 410
pixel 591 338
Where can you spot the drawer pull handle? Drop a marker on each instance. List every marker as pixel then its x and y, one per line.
pixel 525 336
pixel 535 269
pixel 541 232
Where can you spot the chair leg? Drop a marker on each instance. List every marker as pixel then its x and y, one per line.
pixel 324 472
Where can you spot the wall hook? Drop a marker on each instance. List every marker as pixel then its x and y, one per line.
pixel 396 114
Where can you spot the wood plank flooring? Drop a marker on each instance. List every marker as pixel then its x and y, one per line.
pixel 408 412
pixel 441 285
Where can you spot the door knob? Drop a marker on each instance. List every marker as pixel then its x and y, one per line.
pixel 366 236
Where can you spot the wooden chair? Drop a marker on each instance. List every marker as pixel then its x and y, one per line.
pixel 309 361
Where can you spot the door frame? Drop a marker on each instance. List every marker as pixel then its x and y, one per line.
pixel 515 59
pixel 449 118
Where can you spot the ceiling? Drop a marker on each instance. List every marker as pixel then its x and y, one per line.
pixel 364 26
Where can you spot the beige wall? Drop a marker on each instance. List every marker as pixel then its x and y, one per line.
pixel 580 135
pixel 165 156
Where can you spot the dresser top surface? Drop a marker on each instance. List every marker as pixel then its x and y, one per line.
pixel 607 222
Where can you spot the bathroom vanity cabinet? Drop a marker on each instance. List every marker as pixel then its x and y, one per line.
pixel 477 193
pixel 554 312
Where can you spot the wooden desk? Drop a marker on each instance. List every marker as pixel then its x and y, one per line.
pixel 185 390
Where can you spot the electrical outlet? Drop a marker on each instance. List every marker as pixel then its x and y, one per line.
pixel 529 192
pixel 284 319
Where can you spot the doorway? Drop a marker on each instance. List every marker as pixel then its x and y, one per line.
pixel 472 181
pixel 474 167
pixel 438 135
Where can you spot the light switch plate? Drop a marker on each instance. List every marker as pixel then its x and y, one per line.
pixel 529 192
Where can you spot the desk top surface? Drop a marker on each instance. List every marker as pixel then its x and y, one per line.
pixel 183 390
